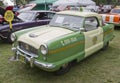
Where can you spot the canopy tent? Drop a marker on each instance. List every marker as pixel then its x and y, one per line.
pixel 8 2
pixel 42 4
pixel 43 1
pixel 74 2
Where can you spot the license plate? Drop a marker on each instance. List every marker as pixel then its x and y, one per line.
pixel 22 58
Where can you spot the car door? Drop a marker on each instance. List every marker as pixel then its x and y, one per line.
pixel 93 35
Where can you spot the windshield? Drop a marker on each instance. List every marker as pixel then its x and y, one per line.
pixel 115 11
pixel 27 16
pixel 67 21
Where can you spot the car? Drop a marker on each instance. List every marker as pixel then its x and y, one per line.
pixel 26 19
pixel 70 37
pixel 113 17
pixel 27 7
pixel 93 8
pixel 106 8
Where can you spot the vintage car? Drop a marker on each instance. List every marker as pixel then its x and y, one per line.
pixel 106 8
pixel 26 7
pixel 26 20
pixel 70 37
pixel 112 17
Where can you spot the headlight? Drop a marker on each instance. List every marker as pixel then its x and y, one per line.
pixel 44 49
pixel 13 37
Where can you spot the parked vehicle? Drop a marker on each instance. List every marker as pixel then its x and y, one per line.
pixel 1 19
pixel 113 17
pixel 26 20
pixel 106 8
pixel 70 37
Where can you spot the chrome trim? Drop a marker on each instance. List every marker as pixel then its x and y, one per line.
pixel 25 52
pixel 13 37
pixel 14 49
pixel 44 65
pixel 45 47
pixel 33 62
pixel 3 36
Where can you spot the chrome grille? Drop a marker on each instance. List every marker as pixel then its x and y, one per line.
pixel 28 48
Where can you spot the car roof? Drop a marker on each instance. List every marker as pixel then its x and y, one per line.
pixel 40 11
pixel 116 8
pixel 78 13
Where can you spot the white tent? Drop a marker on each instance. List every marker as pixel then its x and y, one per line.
pixel 74 2
pixel 8 2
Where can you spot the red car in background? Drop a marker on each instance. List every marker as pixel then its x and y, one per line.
pixel 2 12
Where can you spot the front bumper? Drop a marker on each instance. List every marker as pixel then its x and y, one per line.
pixel 31 59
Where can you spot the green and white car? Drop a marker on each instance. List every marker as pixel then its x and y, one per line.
pixel 70 37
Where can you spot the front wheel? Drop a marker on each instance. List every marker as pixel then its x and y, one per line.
pixel 64 69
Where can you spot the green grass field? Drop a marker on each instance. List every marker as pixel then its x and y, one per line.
pixel 101 67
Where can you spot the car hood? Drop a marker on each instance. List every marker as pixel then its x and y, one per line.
pixel 42 35
pixel 111 14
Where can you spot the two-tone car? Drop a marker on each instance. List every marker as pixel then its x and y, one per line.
pixel 25 20
pixel 113 17
pixel 70 37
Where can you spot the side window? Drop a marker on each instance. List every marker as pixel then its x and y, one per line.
pixel 91 23
pixel 50 15
pixel 41 16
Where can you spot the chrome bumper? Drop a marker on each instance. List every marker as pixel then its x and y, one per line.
pixel 18 52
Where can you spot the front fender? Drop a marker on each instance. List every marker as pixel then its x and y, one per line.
pixel 62 48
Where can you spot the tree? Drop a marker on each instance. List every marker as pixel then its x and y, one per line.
pixel 109 1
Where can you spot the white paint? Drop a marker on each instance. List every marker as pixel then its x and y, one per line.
pixel 111 18
pixel 43 35
pixel 90 47
pixel 103 17
pixel 8 2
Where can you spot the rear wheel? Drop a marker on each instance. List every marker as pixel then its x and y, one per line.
pixel 105 46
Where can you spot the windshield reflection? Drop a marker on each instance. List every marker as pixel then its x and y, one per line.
pixel 67 21
pixel 117 11
pixel 27 16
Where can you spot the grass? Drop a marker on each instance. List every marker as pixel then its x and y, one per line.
pixel 101 67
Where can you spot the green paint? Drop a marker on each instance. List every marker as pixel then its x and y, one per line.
pixel 68 47
pixel 108 33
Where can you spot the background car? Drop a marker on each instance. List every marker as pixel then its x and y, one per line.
pixel 106 8
pixel 112 17
pixel 26 20
pixel 26 7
